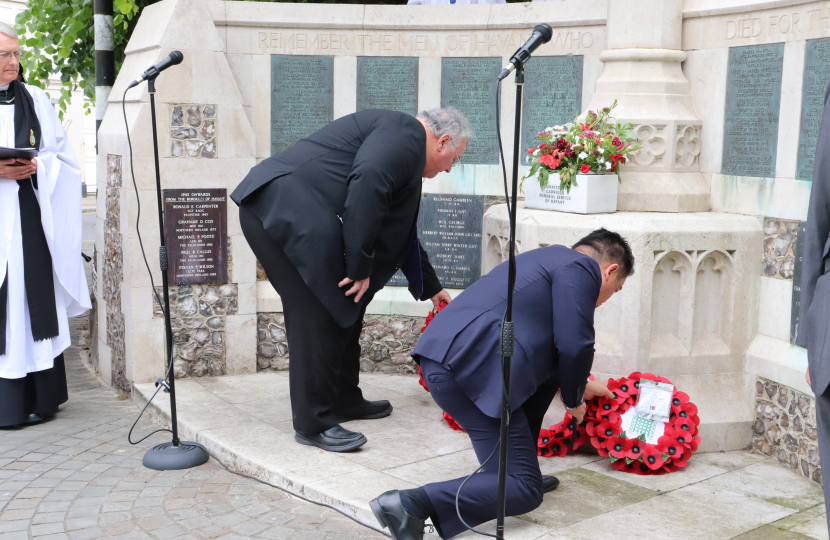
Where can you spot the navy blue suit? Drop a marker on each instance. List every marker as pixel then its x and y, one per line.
pixel 554 301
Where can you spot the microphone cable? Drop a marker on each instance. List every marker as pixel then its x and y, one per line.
pixel 505 392
pixel 163 384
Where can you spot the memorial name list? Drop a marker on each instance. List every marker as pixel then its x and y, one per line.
pixel 196 233
pixel 302 97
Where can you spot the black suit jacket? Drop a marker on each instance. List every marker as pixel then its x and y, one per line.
pixel 553 310
pixel 344 202
pixel 815 290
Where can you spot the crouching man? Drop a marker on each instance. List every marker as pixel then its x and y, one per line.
pixel 557 290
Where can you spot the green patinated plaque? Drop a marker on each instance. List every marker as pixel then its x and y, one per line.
pixel 302 97
pixel 552 94
pixel 469 84
pixel 816 75
pixel 389 83
pixel 753 101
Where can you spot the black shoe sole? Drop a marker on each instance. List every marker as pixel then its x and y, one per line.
pixel 551 488
pixel 378 512
pixel 329 447
pixel 382 414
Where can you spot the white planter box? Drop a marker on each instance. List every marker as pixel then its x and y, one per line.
pixel 593 194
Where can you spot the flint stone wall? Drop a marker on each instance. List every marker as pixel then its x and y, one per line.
pixel 785 427
pixel 386 343
pixel 112 274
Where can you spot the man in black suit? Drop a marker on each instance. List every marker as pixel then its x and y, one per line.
pixel 814 313
pixel 557 290
pixel 331 219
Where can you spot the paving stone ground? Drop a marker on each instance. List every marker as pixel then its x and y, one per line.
pixel 76 477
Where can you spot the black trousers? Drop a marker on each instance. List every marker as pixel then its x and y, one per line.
pixel 324 364
pixel 478 500
pixel 40 392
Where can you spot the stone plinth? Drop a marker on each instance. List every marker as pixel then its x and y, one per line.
pixel 687 313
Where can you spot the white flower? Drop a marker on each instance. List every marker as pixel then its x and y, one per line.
pixel 608 165
pixel 601 150
pixel 557 128
pixel 583 155
pixel 601 160
pixel 536 152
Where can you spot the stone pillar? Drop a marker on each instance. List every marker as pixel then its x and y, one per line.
pixel 643 73
pixel 205 141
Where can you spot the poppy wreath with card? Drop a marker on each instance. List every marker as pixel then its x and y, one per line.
pixel 673 441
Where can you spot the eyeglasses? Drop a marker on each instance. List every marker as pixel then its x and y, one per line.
pixel 457 161
pixel 5 55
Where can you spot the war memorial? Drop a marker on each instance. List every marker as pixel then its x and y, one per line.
pixel 725 96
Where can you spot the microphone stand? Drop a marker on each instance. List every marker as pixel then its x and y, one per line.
pixel 177 454
pixel 507 334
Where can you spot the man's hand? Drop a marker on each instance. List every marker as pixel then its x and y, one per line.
pixel 807 378
pixel 578 413
pixel 17 169
pixel 442 296
pixel 595 389
pixel 359 287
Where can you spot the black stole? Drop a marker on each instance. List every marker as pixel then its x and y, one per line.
pixel 37 260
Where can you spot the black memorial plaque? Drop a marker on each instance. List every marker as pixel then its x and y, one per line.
pixel 816 75
pixel 449 227
pixel 552 94
pixel 302 97
pixel 798 253
pixel 389 83
pixel 469 84
pixel 196 233
pixel 753 101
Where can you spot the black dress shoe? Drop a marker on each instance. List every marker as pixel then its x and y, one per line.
pixel 336 439
pixel 367 410
pixel 549 483
pixel 34 418
pixel 390 513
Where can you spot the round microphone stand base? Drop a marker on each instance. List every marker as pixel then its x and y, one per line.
pixel 167 457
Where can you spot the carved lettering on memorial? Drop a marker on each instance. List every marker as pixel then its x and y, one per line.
pixel 654 145
pixel 688 146
pixel 302 97
pixel 816 75
pixel 389 83
pixel 552 94
pixel 403 43
pixel 469 84
pixel 753 99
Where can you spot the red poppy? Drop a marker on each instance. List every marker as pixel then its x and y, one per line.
pixel 689 410
pixel 620 389
pixel 669 446
pixel 590 427
pixel 634 447
pixel 670 466
pixel 607 405
pixel 619 465
pixel 545 437
pixel 559 448
pixel 581 438
pixel 606 429
pixel 652 457
pixel 612 418
pixel 684 438
pixel 684 424
pixel 452 423
pixel 616 447
pixel 421 379
pixel 695 443
pixel 683 460
pixel 680 398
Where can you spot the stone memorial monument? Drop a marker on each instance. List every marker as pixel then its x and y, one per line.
pixel 726 99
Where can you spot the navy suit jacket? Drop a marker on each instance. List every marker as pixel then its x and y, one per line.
pixel 553 312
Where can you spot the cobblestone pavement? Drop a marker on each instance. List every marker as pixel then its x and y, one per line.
pixel 77 477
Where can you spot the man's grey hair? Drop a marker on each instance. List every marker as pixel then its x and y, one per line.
pixel 448 121
pixel 8 30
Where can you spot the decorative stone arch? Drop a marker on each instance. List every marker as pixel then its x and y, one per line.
pixel 712 325
pixel 672 304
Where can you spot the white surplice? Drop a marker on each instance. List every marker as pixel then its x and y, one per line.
pixel 59 196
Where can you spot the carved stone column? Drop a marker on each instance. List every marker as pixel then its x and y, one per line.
pixel 643 73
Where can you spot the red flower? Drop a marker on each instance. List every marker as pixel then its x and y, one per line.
pixel 607 405
pixel 689 410
pixel 670 466
pixel 599 444
pixel 563 144
pixel 695 443
pixel 544 437
pixel 558 448
pixel 612 417
pixel 620 388
pixel 551 160
pixel 433 313
pixel 452 423
pixel 683 460
pixel 605 429
pixel 619 465
pixel 682 437
pixel 599 141
pixel 669 446
pixel 421 379
pixel 652 457
pixel 684 424
pixel 680 398
pixel 530 150
pixel 614 159
pixel 616 447
pixel 585 168
pixel 633 448
pixel 617 142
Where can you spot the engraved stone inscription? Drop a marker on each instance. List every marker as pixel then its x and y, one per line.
pixel 469 84
pixel 552 94
pixel 753 99
pixel 302 98
pixel 449 227
pixel 387 83
pixel 196 233
pixel 798 252
pixel 816 75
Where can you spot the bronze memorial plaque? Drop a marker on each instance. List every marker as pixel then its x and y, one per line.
pixel 196 232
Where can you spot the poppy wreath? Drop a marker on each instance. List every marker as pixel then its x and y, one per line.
pixel 602 425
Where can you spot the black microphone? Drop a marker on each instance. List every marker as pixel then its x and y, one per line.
pixel 172 59
pixel 541 34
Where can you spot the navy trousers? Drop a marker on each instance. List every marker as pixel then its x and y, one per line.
pixel 479 499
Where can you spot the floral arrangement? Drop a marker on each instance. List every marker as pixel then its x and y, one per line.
pixel 602 425
pixel 598 145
